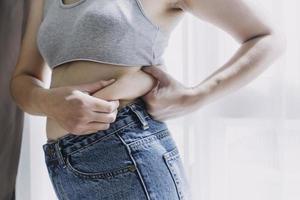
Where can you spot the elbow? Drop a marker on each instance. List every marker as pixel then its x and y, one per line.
pixel 14 90
pixel 15 93
pixel 273 39
pixel 274 43
pixel 11 88
pixel 278 43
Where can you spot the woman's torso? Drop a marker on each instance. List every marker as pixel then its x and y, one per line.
pixel 132 81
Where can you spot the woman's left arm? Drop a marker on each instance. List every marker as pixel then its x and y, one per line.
pixel 261 43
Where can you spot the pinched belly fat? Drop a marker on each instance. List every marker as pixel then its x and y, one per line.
pixel 126 88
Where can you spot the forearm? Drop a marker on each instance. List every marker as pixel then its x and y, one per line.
pixel 29 93
pixel 252 58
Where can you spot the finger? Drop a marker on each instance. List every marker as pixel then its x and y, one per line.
pixel 94 86
pixel 153 91
pixel 101 105
pixel 104 117
pixel 155 88
pixel 158 74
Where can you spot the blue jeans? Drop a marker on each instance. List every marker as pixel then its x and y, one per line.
pixel 135 159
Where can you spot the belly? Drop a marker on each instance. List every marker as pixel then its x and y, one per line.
pixel 131 83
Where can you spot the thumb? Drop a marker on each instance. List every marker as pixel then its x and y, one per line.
pixel 94 86
pixel 157 73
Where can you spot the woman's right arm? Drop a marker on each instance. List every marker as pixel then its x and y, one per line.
pixel 29 80
pixel 71 106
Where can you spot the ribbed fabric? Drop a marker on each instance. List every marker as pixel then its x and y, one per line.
pixel 106 31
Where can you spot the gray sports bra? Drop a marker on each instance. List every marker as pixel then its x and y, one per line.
pixel 106 31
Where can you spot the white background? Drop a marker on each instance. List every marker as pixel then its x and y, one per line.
pixel 244 146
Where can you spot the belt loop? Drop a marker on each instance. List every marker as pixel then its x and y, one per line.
pixel 140 116
pixel 59 154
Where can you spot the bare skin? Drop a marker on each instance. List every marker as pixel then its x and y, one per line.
pixel 70 110
pixel 261 43
pixel 82 72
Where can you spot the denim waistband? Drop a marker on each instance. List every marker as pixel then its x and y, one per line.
pixel 133 112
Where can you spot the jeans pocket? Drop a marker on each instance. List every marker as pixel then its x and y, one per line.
pixel 104 159
pixel 175 166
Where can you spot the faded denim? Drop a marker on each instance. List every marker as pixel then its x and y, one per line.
pixel 135 159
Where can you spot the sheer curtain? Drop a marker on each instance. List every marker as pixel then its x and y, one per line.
pixel 243 146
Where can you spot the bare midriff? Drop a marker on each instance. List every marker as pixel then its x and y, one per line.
pixel 131 83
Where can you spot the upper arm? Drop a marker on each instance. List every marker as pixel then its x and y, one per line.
pixel 242 19
pixel 30 61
